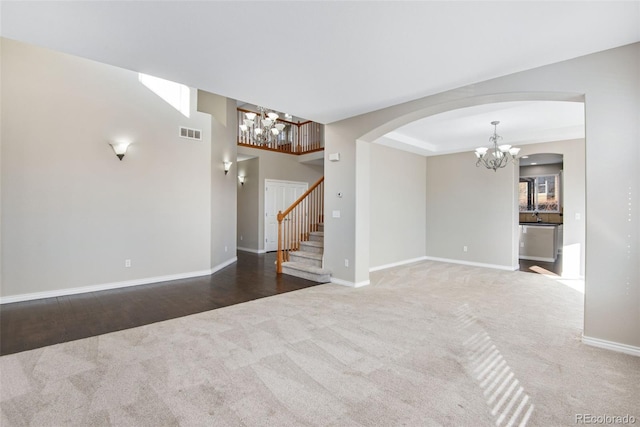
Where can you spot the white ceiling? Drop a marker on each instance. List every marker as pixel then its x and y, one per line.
pixel 325 60
pixel 468 128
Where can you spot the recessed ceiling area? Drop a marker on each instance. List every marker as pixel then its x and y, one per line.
pixel 541 159
pixel 464 129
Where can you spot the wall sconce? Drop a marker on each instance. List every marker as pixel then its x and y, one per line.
pixel 227 166
pixel 241 179
pixel 120 148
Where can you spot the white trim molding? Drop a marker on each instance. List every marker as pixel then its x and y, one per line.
pixel 350 284
pixel 611 345
pixel 255 251
pixel 474 264
pixel 114 285
pixel 397 264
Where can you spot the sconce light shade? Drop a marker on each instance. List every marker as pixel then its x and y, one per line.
pixel 241 179
pixel 227 166
pixel 120 148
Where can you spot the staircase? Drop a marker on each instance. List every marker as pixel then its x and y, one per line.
pixel 301 236
pixel 307 261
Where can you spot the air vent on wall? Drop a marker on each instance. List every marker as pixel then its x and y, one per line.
pixel 190 133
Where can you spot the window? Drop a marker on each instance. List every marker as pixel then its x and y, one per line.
pixel 175 94
pixel 539 193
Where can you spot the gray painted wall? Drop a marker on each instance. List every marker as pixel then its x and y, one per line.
pixel 398 205
pixel 71 211
pixel 609 82
pixel 222 186
pixel 473 207
pixel 248 211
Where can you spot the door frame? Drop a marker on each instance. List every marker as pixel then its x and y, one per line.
pixel 265 212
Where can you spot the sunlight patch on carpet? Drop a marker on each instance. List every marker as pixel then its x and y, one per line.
pixel 510 405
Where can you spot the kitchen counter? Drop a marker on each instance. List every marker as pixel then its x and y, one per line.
pixel 539 241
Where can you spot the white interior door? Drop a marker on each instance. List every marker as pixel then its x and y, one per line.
pixel 278 196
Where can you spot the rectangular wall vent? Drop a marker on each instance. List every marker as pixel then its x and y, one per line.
pixel 190 133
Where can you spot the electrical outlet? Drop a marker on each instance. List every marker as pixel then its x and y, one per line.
pixel 240 237
pixel 464 249
pixel 346 262
pixel 226 249
pixel 127 263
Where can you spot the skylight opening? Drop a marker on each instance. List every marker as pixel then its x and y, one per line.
pixel 175 94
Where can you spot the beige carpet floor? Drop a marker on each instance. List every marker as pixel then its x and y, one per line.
pixel 425 344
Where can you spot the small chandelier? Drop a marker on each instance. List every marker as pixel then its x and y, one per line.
pixel 502 154
pixel 264 128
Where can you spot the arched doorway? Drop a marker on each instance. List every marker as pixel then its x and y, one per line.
pixel 469 220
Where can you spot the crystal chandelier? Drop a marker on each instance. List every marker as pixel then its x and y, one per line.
pixel 501 155
pixel 263 127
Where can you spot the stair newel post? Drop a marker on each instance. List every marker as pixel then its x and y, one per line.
pixel 279 257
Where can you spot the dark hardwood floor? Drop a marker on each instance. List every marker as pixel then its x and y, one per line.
pixel 541 267
pixel 33 324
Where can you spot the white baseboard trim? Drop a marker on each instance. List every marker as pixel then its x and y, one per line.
pixel 350 284
pixel 255 251
pixel 113 285
pixel 224 264
pixel 397 264
pixel 611 345
pixel 474 264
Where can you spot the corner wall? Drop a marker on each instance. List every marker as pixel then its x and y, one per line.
pixel 223 189
pixel 248 210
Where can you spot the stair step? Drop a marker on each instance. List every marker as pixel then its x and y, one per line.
pixel 321 226
pixel 309 272
pixel 316 236
pixel 304 257
pixel 314 247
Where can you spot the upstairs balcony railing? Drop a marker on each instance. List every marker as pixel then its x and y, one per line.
pixel 296 138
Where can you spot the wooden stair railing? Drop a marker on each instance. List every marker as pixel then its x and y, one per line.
pixel 298 220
